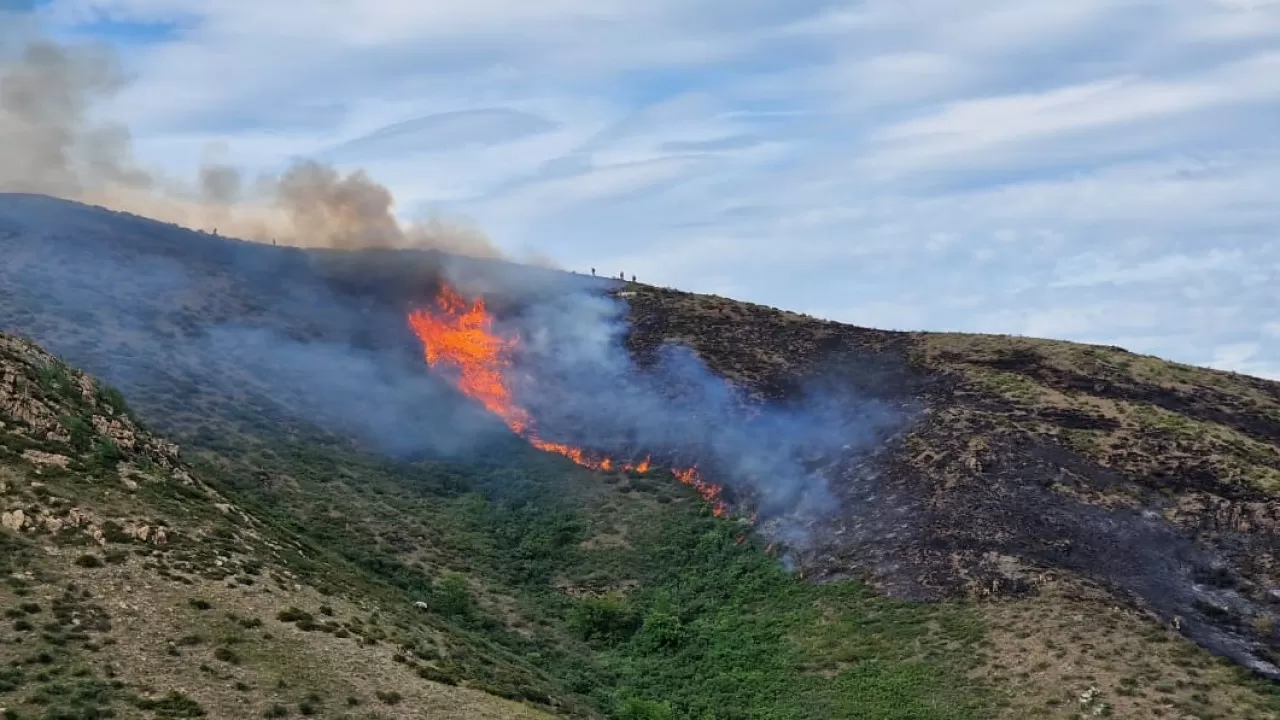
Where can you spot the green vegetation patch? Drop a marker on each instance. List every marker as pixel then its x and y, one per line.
pixel 719 630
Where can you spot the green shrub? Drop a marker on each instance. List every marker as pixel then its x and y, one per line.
pixel 106 454
pixel 111 397
pixel 112 532
pixel 661 630
pixel 635 709
pixel 453 596
pixel 292 615
pixel 80 430
pixel 11 678
pixel 172 705
pixel 427 672
pixel 609 618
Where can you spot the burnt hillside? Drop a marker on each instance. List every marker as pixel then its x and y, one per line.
pixel 1037 462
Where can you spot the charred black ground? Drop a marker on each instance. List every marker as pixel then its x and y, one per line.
pixel 1036 462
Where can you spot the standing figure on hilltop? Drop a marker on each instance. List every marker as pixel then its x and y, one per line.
pixel 593 272
pixel 633 277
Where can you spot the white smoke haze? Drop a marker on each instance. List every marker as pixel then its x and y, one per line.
pixel 51 145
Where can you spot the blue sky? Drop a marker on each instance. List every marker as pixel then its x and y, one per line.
pixel 1093 170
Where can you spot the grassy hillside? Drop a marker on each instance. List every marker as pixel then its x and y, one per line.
pixel 136 588
pixel 1061 530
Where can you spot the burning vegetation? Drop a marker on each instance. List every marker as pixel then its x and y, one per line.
pixel 459 338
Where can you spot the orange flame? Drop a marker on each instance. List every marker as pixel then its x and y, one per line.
pixel 461 337
pixel 709 491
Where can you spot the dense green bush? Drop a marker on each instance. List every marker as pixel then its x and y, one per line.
pixel 706 627
pixel 635 709
pixel 453 596
pixel 609 618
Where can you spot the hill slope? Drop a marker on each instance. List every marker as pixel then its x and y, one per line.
pixel 1036 462
pixel 1084 496
pixel 136 589
pixel 133 588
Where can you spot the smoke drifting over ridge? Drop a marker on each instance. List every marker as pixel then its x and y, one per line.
pixel 334 358
pixel 557 370
pixel 49 144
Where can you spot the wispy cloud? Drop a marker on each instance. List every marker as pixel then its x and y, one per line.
pixel 1100 170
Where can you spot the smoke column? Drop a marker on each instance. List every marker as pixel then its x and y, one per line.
pixel 50 145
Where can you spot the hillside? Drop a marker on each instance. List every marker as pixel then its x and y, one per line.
pixel 134 589
pixel 1016 527
pixel 1036 464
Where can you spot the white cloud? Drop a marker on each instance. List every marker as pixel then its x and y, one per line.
pixel 1099 269
pixel 1099 170
pixel 964 130
pixel 1245 357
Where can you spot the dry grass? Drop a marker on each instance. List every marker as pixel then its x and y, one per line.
pixel 277 662
pixel 1146 438
pixel 1051 651
pixel 220 643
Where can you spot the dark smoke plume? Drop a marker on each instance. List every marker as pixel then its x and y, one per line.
pixel 49 144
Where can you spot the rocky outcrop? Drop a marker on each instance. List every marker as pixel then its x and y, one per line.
pixel 56 418
pixel 14 520
pixel 68 414
pixel 39 457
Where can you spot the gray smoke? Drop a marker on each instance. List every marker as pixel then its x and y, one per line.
pixel 51 144
pixel 133 301
pixel 582 387
pixel 199 330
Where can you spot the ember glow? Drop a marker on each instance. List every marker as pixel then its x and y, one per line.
pixel 459 338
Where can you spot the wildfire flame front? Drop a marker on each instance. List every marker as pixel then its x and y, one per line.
pixel 459 337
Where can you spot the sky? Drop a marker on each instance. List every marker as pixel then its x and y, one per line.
pixel 1095 170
